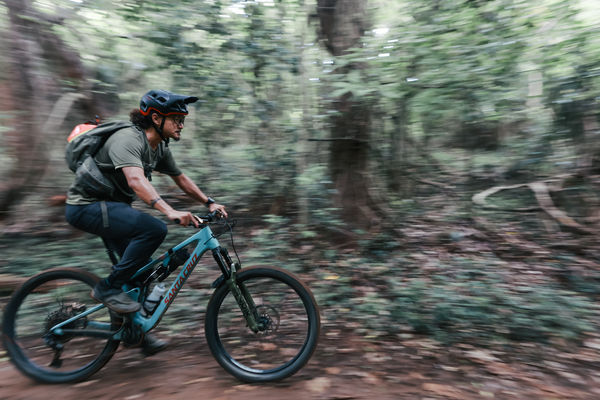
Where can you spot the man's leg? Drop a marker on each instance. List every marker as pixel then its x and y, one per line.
pixel 129 249
pixel 142 233
pixel 138 233
pixel 95 220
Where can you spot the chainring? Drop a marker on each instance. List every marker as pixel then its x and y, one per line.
pixel 132 334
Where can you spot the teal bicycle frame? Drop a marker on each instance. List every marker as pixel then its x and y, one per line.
pixel 206 241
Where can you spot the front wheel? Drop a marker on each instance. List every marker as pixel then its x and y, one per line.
pixel 289 317
pixel 49 355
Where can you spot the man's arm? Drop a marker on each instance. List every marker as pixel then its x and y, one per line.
pixel 192 190
pixel 138 182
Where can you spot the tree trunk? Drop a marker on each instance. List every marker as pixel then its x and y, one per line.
pixel 301 147
pixel 37 60
pixel 342 24
pixel 27 92
pixel 398 147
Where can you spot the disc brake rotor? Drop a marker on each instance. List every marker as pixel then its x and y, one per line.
pixel 268 320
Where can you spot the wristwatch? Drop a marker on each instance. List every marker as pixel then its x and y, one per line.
pixel 209 201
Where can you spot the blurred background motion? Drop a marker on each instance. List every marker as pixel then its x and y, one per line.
pixel 431 168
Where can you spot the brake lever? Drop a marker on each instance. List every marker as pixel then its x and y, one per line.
pixel 199 219
pixel 213 216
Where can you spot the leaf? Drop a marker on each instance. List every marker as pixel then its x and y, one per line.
pixel 481 356
pixel 319 385
pixel 333 370
pixel 592 344
pixel 355 77
pixel 339 92
pixel 199 380
pixel 447 391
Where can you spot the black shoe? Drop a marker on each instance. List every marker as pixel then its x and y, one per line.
pixel 113 298
pixel 152 345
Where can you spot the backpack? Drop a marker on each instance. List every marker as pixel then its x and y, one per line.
pixel 82 145
pixel 86 139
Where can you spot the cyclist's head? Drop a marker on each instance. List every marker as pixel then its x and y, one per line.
pixel 165 103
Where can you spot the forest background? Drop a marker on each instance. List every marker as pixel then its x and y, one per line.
pixel 429 168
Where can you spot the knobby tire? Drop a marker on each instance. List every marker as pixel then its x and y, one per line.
pixel 281 350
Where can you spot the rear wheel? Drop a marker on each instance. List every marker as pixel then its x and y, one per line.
pixel 289 319
pixel 47 299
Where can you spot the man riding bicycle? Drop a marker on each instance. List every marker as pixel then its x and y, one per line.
pixel 127 159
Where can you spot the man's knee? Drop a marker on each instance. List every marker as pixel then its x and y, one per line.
pixel 155 228
pixel 161 230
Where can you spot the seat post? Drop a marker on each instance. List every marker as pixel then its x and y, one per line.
pixel 110 252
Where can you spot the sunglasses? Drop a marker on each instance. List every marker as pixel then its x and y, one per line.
pixel 178 120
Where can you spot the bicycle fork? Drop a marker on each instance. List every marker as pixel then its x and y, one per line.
pixel 240 292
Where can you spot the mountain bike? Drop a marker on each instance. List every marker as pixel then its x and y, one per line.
pixel 261 323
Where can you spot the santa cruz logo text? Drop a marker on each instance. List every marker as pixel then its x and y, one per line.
pixel 179 283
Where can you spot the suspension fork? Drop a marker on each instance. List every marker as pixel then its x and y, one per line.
pixel 240 292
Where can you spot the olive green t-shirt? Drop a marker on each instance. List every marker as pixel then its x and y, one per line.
pixel 128 147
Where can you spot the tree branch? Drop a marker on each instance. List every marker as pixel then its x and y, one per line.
pixel 542 195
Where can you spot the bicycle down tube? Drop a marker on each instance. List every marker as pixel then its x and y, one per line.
pixel 206 241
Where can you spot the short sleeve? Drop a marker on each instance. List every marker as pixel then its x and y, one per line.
pixel 126 149
pixel 167 164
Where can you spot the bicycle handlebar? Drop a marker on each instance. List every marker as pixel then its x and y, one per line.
pixel 210 217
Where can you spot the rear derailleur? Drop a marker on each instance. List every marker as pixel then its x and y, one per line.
pixel 55 341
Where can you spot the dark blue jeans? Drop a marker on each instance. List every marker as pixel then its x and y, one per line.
pixel 134 235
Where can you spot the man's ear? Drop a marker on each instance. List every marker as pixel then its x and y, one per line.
pixel 156 118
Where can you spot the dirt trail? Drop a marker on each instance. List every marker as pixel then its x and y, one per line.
pixel 340 370
pixel 186 370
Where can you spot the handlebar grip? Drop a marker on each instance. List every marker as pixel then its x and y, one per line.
pixel 213 216
pixel 178 222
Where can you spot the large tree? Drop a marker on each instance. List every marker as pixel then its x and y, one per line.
pixel 342 24
pixel 38 64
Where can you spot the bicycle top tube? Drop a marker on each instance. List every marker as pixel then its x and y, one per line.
pixel 205 238
pixel 206 241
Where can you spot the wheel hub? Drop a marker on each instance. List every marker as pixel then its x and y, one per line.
pixel 268 320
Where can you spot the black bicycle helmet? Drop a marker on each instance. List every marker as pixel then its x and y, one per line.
pixel 165 103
